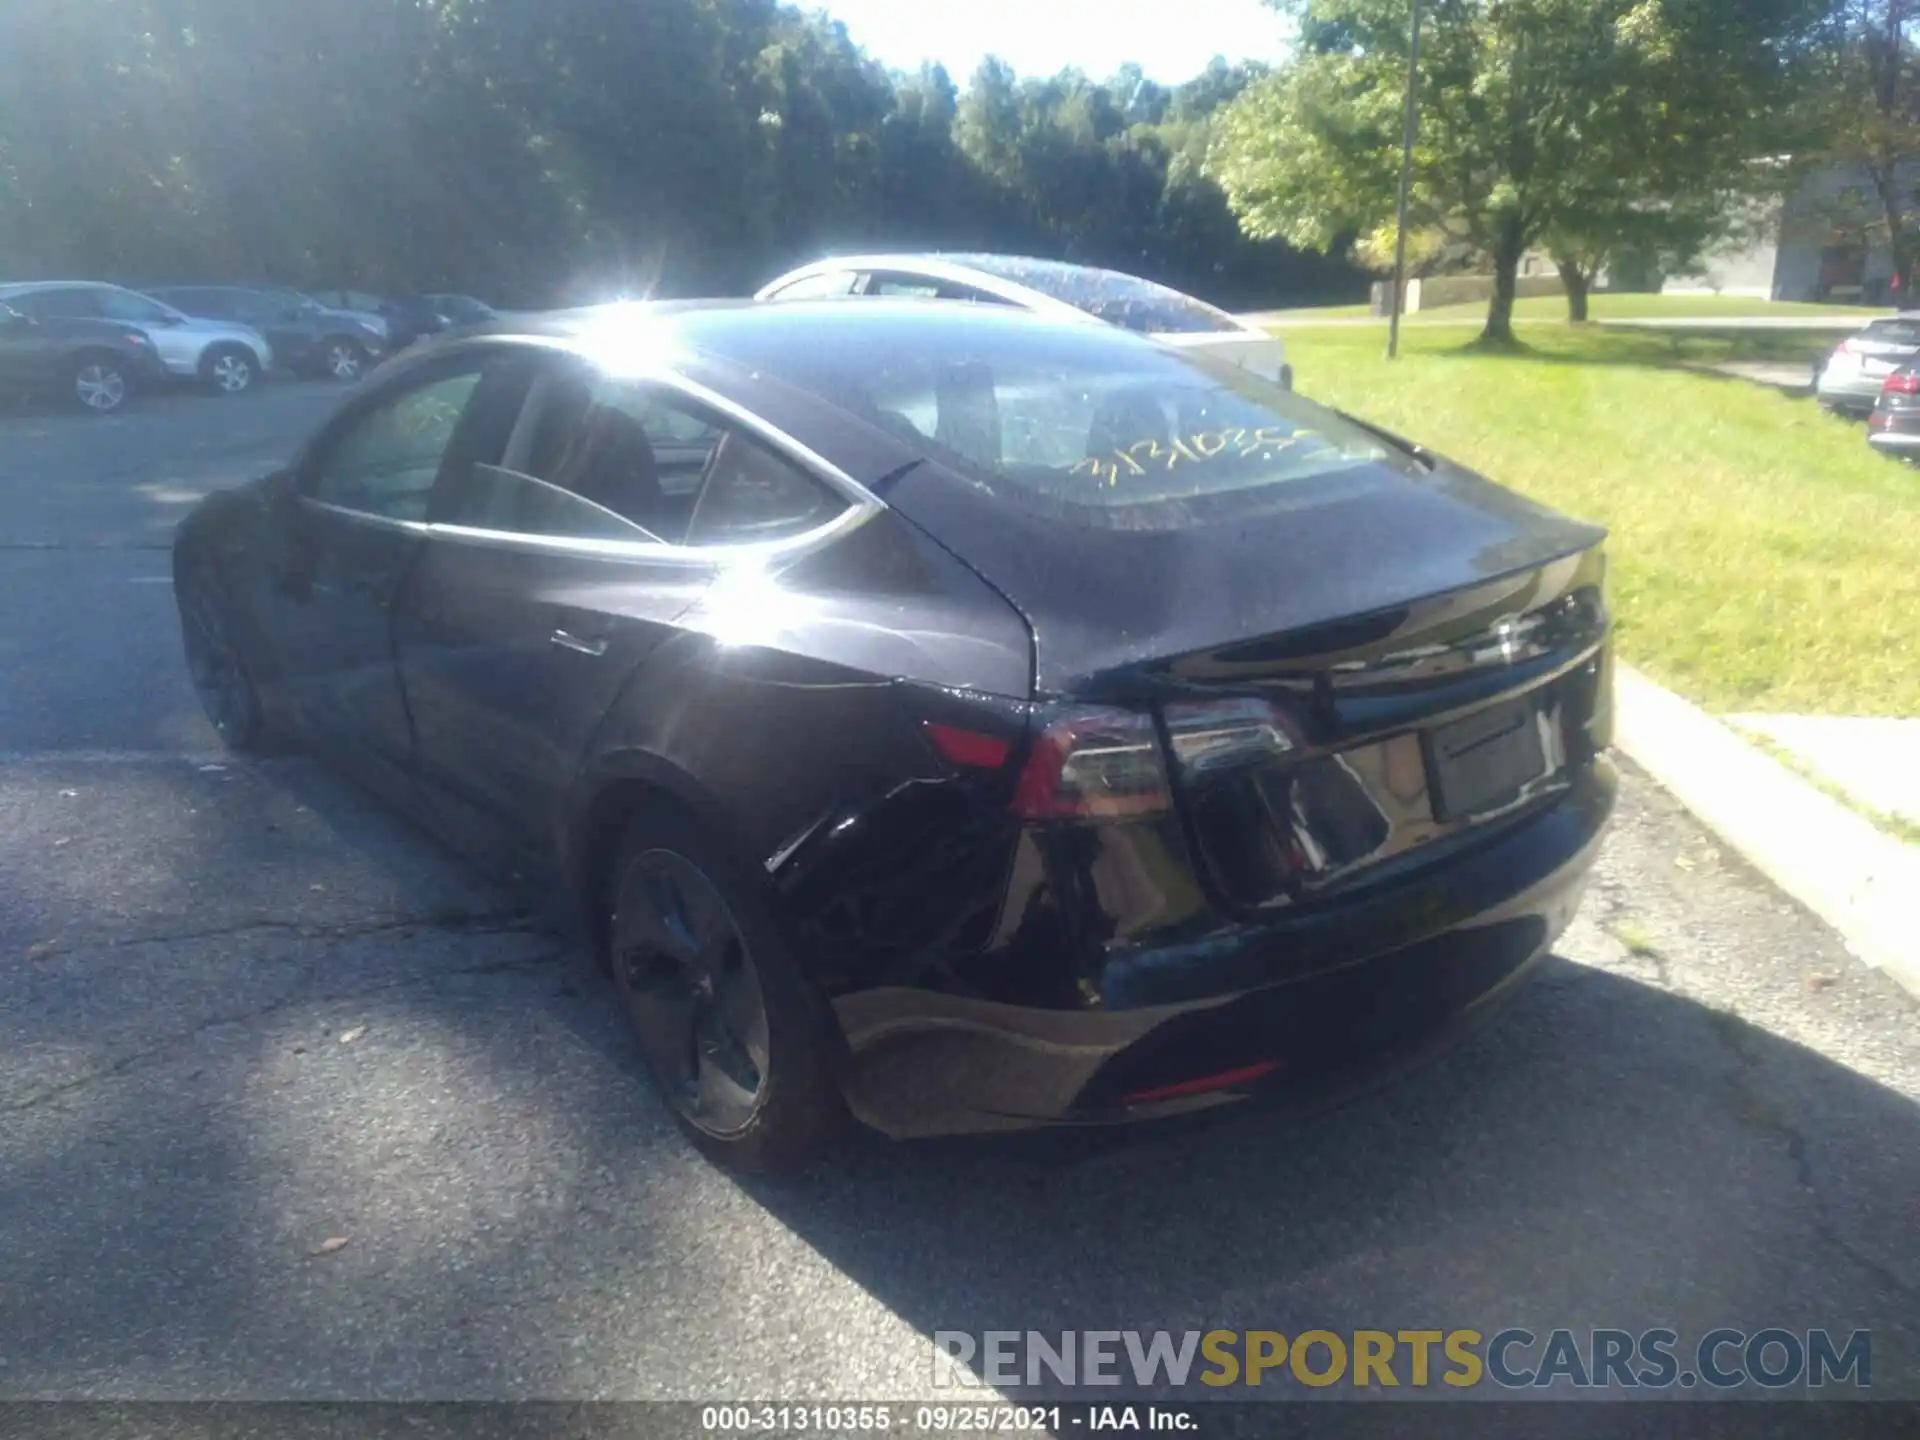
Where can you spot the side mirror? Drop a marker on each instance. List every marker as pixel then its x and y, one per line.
pixel 169 320
pixel 14 320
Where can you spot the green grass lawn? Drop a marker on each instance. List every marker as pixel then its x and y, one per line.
pixel 1764 558
pixel 1603 307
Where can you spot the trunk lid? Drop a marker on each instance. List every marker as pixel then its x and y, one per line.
pixel 1352 676
pixel 1129 604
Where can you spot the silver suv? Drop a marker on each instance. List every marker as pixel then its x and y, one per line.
pixel 228 358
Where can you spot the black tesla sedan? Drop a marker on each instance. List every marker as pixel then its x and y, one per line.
pixel 934 712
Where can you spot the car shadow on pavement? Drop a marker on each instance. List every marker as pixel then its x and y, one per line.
pixel 376 1154
pixel 1605 1154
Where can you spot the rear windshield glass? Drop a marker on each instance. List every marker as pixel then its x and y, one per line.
pixel 1895 332
pixel 1123 300
pixel 1054 415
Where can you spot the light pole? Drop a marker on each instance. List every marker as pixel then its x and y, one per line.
pixel 1406 181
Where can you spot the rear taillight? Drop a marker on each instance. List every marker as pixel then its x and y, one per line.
pixel 1902 382
pixel 1093 764
pixel 1212 735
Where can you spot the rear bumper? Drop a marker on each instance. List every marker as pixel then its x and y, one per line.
pixel 1894 430
pixel 1430 955
pixel 1851 391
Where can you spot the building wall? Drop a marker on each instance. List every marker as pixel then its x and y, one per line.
pixel 1751 268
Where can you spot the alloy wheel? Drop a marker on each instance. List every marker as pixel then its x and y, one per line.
pixel 689 982
pixel 232 372
pixel 343 361
pixel 99 386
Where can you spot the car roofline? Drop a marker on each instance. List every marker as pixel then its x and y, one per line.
pixel 937 267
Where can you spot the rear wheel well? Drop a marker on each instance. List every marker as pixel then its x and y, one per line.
pixel 89 353
pixel 596 843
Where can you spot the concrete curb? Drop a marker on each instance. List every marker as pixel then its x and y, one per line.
pixel 1857 878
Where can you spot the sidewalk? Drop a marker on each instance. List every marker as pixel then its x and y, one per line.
pixel 1874 762
pixel 1824 852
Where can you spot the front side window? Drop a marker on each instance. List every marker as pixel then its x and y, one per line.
pixel 386 459
pixel 198 302
pixel 254 307
pixel 598 458
pixel 131 308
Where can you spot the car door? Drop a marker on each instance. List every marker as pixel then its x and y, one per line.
pixel 353 528
pixel 26 359
pixel 549 578
pixel 179 345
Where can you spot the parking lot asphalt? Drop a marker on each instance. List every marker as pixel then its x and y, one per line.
pixel 293 1106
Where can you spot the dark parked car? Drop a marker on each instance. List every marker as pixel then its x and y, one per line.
pixel 224 355
pixel 411 319
pixel 363 300
pixel 307 337
pixel 935 711
pixel 1894 426
pixel 462 310
pixel 94 364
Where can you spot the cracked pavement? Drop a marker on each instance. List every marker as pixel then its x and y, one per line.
pixel 244 1014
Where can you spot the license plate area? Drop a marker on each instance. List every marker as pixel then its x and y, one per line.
pixel 1485 761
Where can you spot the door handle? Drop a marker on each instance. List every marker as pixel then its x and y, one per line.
pixel 595 647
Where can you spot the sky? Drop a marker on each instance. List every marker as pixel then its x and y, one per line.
pixel 1171 40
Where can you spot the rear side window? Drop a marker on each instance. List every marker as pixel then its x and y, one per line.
pixel 58 304
pixel 825 285
pixel 917 287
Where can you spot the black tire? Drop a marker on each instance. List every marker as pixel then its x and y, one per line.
pixel 221 677
pixel 341 358
pixel 230 369
pixel 690 1016
pixel 98 382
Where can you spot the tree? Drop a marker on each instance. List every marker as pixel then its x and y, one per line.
pixel 1666 236
pixel 544 153
pixel 1537 117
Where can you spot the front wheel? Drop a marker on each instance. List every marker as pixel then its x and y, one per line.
pixel 220 675
pixel 740 1043
pixel 99 384
pixel 230 369
pixel 344 360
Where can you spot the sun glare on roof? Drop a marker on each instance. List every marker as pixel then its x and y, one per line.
pixel 628 340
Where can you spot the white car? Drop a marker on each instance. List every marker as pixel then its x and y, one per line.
pixel 1849 380
pixel 1048 287
pixel 228 358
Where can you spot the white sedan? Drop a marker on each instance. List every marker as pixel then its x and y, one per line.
pixel 1047 287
